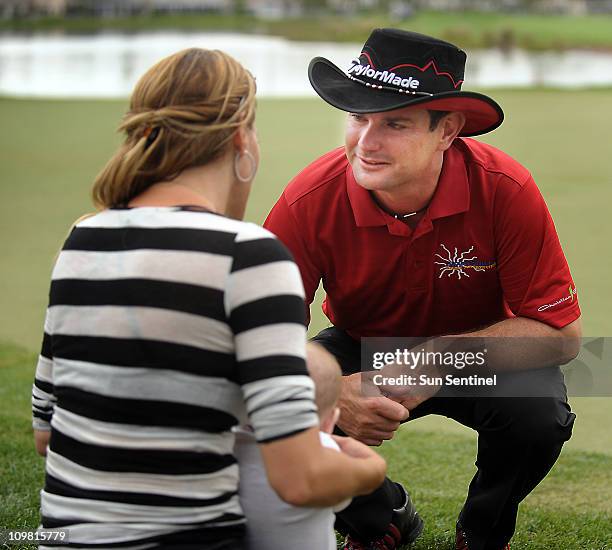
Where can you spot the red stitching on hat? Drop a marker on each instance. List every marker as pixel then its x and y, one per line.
pixel 422 69
pixel 369 59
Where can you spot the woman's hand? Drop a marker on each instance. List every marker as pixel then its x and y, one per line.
pixel 41 441
pixel 353 448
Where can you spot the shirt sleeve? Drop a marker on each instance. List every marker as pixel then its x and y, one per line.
pixel 265 305
pixel 43 397
pixel 283 224
pixel 533 271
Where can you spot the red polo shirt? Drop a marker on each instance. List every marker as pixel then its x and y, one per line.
pixel 485 250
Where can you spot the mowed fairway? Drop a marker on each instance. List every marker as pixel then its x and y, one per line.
pixel 50 152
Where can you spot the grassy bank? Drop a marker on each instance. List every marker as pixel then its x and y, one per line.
pixel 466 29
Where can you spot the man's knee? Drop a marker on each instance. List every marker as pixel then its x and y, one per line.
pixel 535 421
pixel 545 422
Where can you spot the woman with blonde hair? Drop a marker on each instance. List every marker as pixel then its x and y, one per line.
pixel 169 322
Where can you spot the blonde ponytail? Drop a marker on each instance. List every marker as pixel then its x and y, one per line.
pixel 183 112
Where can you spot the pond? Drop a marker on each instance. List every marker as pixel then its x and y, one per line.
pixel 108 65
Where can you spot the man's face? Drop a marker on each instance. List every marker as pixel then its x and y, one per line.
pixel 392 149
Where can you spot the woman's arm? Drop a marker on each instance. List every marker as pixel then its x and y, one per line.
pixel 265 306
pixel 304 473
pixel 43 396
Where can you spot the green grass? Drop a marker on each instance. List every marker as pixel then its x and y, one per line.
pixel 466 29
pixel 21 469
pixel 51 150
pixel 571 509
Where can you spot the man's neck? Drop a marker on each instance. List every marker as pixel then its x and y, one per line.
pixel 413 195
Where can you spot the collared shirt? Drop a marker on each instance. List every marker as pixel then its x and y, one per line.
pixel 485 250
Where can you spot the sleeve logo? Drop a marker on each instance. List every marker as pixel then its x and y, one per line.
pixel 571 293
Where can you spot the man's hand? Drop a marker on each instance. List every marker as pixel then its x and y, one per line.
pixel 412 395
pixel 370 420
pixel 411 401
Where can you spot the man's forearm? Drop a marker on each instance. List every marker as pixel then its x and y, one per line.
pixel 520 343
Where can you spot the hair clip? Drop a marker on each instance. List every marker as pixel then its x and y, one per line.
pixel 150 133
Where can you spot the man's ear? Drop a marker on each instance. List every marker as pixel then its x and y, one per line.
pixel 336 416
pixel 330 421
pixel 451 125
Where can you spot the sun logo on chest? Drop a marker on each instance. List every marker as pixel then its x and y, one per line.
pixel 458 263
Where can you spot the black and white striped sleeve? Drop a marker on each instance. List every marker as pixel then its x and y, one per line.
pixel 265 305
pixel 43 398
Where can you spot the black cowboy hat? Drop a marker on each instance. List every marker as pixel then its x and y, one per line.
pixel 399 69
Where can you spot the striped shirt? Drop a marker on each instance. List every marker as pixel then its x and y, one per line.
pixel 165 328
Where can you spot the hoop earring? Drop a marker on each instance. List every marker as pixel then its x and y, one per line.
pixel 237 160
